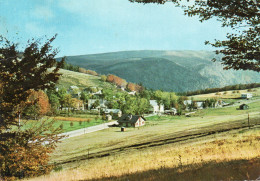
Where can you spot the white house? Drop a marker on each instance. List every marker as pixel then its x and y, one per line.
pixel 131 121
pixel 102 103
pixel 246 95
pixel 73 89
pixel 189 102
pixel 155 107
pixel 172 111
pixel 200 105
pixel 132 93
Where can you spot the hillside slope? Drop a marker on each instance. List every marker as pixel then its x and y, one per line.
pixel 168 70
pixel 81 80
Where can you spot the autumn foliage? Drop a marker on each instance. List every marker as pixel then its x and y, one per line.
pixel 134 87
pixel 116 80
pixel 41 100
pixel 26 153
pixel 24 76
pixel 91 72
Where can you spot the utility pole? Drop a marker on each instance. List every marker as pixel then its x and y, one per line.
pixel 248 122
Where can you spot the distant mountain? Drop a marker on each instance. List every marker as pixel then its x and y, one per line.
pixel 168 70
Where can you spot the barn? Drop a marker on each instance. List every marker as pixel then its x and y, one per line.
pixel 128 120
pixel 243 106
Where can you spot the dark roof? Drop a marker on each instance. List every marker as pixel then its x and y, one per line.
pixel 128 118
pixel 244 105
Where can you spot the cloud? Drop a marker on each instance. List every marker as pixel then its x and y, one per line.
pixel 38 29
pixel 43 12
pixel 34 29
pixel 101 9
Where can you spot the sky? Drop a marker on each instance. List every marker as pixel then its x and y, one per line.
pixel 99 26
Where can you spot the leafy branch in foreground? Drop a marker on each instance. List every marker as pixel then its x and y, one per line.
pixel 25 153
pixel 241 50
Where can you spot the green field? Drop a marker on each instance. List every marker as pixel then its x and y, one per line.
pixel 166 147
pixel 81 80
pixel 228 96
pixel 69 123
pixel 157 129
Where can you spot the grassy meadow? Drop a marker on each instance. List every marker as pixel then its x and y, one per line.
pixel 81 80
pixel 212 144
pixel 228 95
pixel 68 123
pixel 233 155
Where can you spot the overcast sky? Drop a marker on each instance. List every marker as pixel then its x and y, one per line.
pixel 98 26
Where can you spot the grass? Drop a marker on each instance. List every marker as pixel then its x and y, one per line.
pixel 167 147
pixel 207 158
pixel 156 129
pixel 227 95
pixel 81 80
pixel 87 121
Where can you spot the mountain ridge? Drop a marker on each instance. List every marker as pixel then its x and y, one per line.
pixel 179 71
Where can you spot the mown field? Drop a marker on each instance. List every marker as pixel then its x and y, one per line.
pixel 212 144
pixel 71 123
pixel 233 155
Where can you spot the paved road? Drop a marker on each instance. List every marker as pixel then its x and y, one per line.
pixel 87 130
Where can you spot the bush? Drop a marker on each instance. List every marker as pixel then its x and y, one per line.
pixel 91 72
pixel 103 78
pixel 71 124
pixel 26 154
pixel 80 123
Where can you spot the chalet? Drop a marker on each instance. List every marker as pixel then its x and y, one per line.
pixel 113 112
pixel 108 117
pixel 132 93
pixel 172 111
pixel 128 120
pixel 73 89
pixel 246 95
pixel 198 104
pixel 155 108
pixel 102 103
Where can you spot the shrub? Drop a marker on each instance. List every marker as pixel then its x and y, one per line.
pixel 91 72
pixel 103 78
pixel 80 123
pixel 71 124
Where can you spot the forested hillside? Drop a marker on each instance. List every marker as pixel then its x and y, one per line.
pixel 168 70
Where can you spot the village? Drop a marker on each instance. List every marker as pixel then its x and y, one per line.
pixel 97 104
